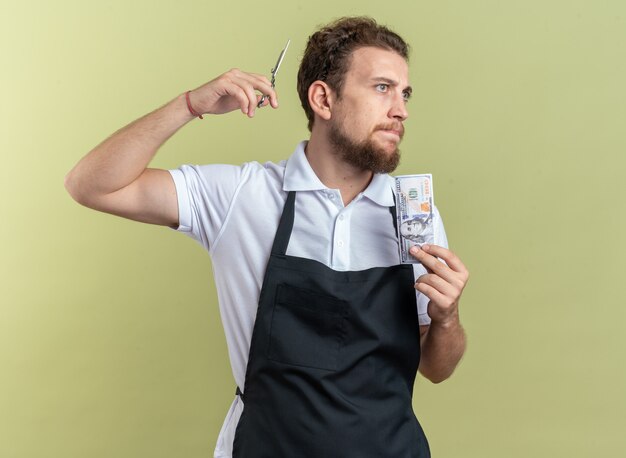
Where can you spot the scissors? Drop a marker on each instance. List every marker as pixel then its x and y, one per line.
pixel 274 71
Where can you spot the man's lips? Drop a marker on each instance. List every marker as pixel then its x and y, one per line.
pixel 395 130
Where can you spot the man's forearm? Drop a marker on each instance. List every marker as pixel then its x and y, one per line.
pixel 121 158
pixel 443 346
pixel 443 343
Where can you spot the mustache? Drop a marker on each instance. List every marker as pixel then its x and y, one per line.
pixel 392 126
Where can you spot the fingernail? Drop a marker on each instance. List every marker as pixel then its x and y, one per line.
pixel 425 247
pixel 414 249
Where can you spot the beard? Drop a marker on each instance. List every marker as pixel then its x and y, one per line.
pixel 365 155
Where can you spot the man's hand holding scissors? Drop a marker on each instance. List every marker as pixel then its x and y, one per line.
pixel 233 90
pixel 236 89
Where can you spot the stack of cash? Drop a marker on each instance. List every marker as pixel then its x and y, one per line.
pixel 414 205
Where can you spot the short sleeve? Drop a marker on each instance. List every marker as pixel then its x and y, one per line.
pixel 205 194
pixel 418 269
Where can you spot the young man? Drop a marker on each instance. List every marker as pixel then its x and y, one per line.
pixel 325 329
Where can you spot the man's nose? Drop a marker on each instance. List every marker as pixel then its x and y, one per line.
pixel 398 110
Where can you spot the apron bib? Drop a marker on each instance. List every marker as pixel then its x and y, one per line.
pixel 332 361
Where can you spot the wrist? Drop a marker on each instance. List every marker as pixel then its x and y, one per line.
pixel 190 106
pixel 447 323
pixel 177 109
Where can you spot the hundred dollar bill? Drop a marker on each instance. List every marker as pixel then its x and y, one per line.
pixel 414 208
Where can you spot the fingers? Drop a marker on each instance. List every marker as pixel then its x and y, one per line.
pixel 436 283
pixel 270 95
pixel 244 95
pixel 429 291
pixel 252 82
pixel 236 89
pixel 239 86
pixel 443 284
pixel 451 259
pixel 453 270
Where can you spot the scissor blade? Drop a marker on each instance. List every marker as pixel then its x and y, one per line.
pixel 280 58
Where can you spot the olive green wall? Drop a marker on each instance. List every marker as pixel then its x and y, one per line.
pixel 110 337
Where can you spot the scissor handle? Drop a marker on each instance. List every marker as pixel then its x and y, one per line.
pixel 273 80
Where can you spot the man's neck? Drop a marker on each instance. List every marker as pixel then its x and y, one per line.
pixel 335 173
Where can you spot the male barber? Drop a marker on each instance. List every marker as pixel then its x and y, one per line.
pixel 325 329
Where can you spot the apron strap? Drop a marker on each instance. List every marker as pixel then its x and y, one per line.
pixel 394 214
pixel 283 233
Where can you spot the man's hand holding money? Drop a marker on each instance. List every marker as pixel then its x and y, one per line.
pixel 443 284
pixel 443 341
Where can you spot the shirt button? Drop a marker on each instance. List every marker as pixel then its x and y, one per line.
pixel 340 243
pixel 341 217
pixel 331 195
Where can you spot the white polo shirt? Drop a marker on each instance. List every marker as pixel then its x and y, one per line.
pixel 233 211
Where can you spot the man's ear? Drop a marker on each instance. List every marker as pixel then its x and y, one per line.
pixel 321 99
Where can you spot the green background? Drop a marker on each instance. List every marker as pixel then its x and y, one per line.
pixel 110 337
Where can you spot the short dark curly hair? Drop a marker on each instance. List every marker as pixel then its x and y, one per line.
pixel 328 52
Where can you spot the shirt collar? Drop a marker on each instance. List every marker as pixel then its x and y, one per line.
pixel 380 190
pixel 299 176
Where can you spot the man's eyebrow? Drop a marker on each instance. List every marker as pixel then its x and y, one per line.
pixel 391 82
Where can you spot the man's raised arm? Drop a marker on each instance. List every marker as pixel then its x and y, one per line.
pixel 114 178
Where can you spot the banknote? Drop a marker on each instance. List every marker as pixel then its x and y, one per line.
pixel 414 208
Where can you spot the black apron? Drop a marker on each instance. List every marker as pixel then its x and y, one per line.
pixel 332 362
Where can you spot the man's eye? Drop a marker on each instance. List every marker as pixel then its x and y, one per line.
pixel 406 96
pixel 382 87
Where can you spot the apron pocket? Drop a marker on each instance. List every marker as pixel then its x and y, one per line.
pixel 307 328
